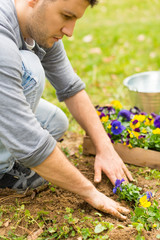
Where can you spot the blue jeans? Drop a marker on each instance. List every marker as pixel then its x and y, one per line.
pixel 50 117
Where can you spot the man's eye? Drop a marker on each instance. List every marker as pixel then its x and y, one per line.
pixel 66 16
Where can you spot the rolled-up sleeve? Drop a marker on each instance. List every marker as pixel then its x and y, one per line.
pixel 60 73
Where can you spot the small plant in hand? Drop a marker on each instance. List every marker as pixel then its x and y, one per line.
pixel 146 211
pixel 132 128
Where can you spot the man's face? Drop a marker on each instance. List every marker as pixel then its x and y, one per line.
pixel 48 22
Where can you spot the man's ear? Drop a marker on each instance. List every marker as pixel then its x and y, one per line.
pixel 32 3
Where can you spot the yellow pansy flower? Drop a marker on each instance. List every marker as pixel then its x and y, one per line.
pixel 144 130
pixel 140 118
pixel 129 146
pixel 156 131
pixel 143 202
pixel 99 113
pixel 134 125
pixel 109 126
pixel 136 134
pixel 116 104
pixel 130 134
pixel 154 225
pixel 149 121
pixel 105 119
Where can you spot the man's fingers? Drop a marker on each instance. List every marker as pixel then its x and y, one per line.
pixel 112 178
pixel 123 210
pixel 117 214
pixel 118 211
pixel 97 175
pixel 124 173
pixel 127 173
pixel 101 202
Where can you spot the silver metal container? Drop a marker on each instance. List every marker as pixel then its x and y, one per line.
pixel 144 90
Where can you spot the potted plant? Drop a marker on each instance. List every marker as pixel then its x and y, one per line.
pixel 135 134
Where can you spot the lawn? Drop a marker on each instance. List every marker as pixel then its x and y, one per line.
pixel 113 40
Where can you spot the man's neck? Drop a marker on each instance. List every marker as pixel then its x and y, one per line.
pixel 21 9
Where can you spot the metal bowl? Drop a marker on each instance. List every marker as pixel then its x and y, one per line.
pixel 144 90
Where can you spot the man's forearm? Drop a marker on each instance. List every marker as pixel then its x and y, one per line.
pixel 107 159
pixel 58 170
pixel 84 112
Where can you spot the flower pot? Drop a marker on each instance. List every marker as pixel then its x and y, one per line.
pixel 136 156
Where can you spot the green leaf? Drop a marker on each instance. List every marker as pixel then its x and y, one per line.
pixel 98 214
pixel 139 237
pixel 139 227
pixel 139 211
pixel 151 213
pixel 99 228
pixel 150 219
pixel 120 226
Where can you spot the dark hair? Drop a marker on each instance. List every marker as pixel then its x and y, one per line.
pixel 92 2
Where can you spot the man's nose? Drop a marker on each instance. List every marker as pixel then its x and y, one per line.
pixel 68 29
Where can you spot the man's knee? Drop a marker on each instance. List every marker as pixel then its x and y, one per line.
pixel 64 123
pixel 52 118
pixel 58 124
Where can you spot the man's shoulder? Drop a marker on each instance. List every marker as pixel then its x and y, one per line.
pixel 7 10
pixel 8 21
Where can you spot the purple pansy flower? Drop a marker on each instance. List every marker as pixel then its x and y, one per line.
pixel 141 136
pixel 125 114
pixel 149 195
pixel 157 122
pixel 135 122
pixel 117 127
pixel 100 109
pixel 153 115
pixel 143 113
pixel 111 110
pixel 102 115
pixel 118 183
pixel 137 129
pixel 110 136
pixel 127 142
pixel 135 110
pixel 128 135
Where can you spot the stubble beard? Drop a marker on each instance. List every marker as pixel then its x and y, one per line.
pixel 37 30
pixel 38 35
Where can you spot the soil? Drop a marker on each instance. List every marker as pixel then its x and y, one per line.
pixel 55 201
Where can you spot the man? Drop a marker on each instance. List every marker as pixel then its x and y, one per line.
pixel 30 126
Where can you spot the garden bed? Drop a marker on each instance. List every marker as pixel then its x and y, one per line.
pixel 40 215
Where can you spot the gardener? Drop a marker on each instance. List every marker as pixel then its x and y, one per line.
pixel 30 49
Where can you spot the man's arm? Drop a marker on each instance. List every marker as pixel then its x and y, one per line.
pixel 58 170
pixel 106 160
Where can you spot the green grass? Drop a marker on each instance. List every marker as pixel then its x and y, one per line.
pixel 127 34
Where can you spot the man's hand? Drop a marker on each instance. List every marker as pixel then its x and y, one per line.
pixel 107 160
pixel 111 164
pixel 107 205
